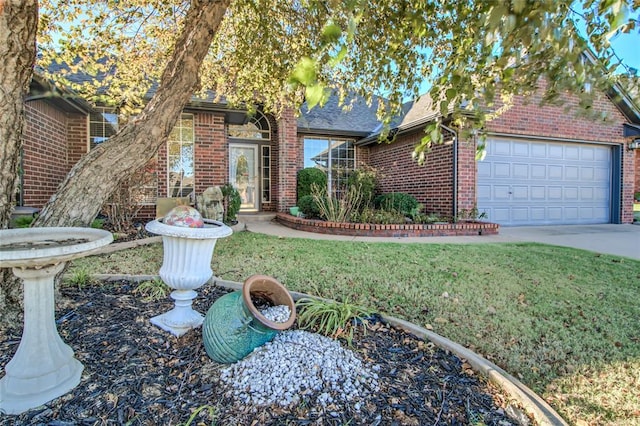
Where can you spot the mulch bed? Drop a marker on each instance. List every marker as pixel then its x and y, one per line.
pixel 137 374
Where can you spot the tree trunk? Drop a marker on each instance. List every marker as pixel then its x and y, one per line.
pixel 92 180
pixel 18 24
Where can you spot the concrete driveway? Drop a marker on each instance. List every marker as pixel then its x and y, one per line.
pixel 620 240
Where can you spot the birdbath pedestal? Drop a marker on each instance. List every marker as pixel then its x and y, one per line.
pixel 43 368
pixel 186 266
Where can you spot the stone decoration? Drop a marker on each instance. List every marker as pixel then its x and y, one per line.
pixel 211 203
pixel 43 367
pixel 185 216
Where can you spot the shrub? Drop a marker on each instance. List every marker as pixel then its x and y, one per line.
pixel 232 202
pixel 125 203
pixel 397 201
pixel 382 217
pixel 365 179
pixel 336 209
pixel 307 177
pixel 23 221
pixel 428 218
pixel 309 207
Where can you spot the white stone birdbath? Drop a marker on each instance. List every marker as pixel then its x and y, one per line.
pixel 43 368
pixel 186 266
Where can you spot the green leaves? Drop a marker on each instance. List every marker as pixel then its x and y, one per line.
pixel 330 318
pixel 305 74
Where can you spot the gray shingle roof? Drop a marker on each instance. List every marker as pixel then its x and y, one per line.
pixel 332 118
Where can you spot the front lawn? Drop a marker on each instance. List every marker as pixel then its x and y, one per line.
pixel 565 321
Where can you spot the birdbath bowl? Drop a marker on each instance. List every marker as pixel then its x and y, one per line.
pixel 43 368
pixel 186 266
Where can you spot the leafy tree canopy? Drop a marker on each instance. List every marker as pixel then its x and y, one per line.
pixel 270 52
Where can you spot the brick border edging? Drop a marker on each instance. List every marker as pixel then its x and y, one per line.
pixel 532 403
pixel 378 230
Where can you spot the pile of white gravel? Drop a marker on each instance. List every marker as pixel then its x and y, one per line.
pixel 278 313
pixel 296 366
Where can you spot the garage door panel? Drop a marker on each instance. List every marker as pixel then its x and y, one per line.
pixel 571 172
pixel 554 172
pixel 555 151
pixel 555 193
pixel 520 193
pixel 502 148
pixel 538 171
pixel 544 182
pixel 501 192
pixel 521 149
pixel 572 153
pixel 501 170
pixel 521 171
pixel 484 169
pixel 570 193
pixel 538 192
pixel 587 173
pixel 588 154
pixel 538 213
pixel 554 214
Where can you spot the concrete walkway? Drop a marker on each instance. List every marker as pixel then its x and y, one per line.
pixel 619 240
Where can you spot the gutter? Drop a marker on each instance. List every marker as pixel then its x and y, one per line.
pixel 455 170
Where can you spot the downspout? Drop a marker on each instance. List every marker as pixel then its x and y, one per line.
pixel 454 211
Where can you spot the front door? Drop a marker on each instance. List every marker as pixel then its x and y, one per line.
pixel 244 174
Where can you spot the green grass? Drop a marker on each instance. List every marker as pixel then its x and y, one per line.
pixel 565 321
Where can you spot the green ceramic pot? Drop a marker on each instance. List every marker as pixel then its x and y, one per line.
pixel 234 327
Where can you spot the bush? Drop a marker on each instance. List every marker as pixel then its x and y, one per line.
pixel 397 201
pixel 365 179
pixel 333 209
pixel 309 207
pixel 382 217
pixel 23 221
pixel 232 202
pixel 125 203
pixel 307 177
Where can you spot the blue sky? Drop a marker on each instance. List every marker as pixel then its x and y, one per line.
pixel 627 46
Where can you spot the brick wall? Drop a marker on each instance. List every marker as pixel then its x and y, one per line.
pixel 637 171
pixel 211 151
pixel 288 158
pixel 431 183
pixel 53 141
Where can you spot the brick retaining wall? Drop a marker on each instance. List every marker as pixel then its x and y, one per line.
pixel 378 230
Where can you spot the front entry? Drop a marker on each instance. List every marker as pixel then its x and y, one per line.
pixel 244 174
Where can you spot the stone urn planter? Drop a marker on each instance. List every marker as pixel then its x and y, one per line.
pixel 234 326
pixel 186 266
pixel 43 368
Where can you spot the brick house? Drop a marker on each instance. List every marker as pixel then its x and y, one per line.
pixel 543 165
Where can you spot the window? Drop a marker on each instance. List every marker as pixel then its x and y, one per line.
pixel 257 128
pixel 180 159
pixel 336 157
pixel 103 123
pixel 266 174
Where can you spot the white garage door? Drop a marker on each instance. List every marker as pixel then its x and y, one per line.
pixel 523 182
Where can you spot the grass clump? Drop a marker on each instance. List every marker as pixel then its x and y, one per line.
pixel 152 290
pixel 80 277
pixel 330 318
